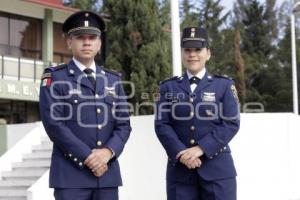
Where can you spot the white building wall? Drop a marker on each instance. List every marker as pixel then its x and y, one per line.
pixel 15 132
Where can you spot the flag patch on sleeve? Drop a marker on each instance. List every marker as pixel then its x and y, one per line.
pixel 46 79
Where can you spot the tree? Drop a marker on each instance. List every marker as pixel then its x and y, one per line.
pixel 213 18
pixel 164 14
pixel 138 46
pixel 266 77
pixel 260 28
pixel 189 14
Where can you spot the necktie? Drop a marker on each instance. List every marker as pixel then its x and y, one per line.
pixel 194 80
pixel 89 73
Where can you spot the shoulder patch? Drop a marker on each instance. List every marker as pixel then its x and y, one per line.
pixel 223 76
pixel 112 72
pixel 46 75
pixel 55 68
pixel 234 92
pixel 169 79
pixel 46 78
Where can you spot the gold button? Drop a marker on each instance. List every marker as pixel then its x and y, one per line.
pixel 211 157
pixel 224 148
pixel 192 114
pixel 70 155
pixel 75 159
pixel 98 110
pixel 96 96
pixel 99 126
pixel 192 141
pixel 192 128
pixel 99 143
pixel 216 154
pixel 80 164
pixel 75 101
pixel 221 150
pixel 191 100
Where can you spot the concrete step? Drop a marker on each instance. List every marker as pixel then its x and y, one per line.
pixel 14 188
pixel 29 169
pixel 45 139
pixel 37 155
pixel 13 198
pixel 26 173
pixel 13 193
pixel 36 160
pixel 16 178
pixel 42 151
pixel 42 147
pixel 16 183
pixel 32 163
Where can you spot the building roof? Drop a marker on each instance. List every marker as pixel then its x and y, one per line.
pixel 54 4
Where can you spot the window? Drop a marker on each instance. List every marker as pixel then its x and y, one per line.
pixel 61 53
pixel 20 37
pixel 4 39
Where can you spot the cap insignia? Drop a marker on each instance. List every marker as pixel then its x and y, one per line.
pixel 193 32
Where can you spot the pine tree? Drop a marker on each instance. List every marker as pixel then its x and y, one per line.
pixel 266 78
pixel 189 14
pixel 164 14
pixel 260 28
pixel 212 17
pixel 138 46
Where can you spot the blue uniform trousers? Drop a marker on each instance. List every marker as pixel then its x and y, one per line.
pixel 224 189
pixel 110 193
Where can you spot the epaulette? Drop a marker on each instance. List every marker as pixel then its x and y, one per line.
pixel 47 72
pixel 112 72
pixel 223 76
pixel 55 68
pixel 169 79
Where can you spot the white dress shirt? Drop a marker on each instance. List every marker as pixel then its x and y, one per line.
pixel 200 75
pixel 83 67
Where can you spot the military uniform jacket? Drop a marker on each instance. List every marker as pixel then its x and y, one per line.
pixel 78 118
pixel 208 117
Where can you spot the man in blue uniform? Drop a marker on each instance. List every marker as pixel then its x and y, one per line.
pixel 84 111
pixel 197 115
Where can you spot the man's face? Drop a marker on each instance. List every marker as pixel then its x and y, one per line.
pixel 84 46
pixel 194 59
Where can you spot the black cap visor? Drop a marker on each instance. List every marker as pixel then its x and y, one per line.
pixel 194 44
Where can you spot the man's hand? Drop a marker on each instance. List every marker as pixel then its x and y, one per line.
pixel 98 158
pixel 101 170
pixel 190 157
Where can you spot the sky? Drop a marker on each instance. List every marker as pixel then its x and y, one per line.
pixel 229 3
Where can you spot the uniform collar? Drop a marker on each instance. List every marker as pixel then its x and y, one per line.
pixel 82 67
pixel 200 74
pixel 206 80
